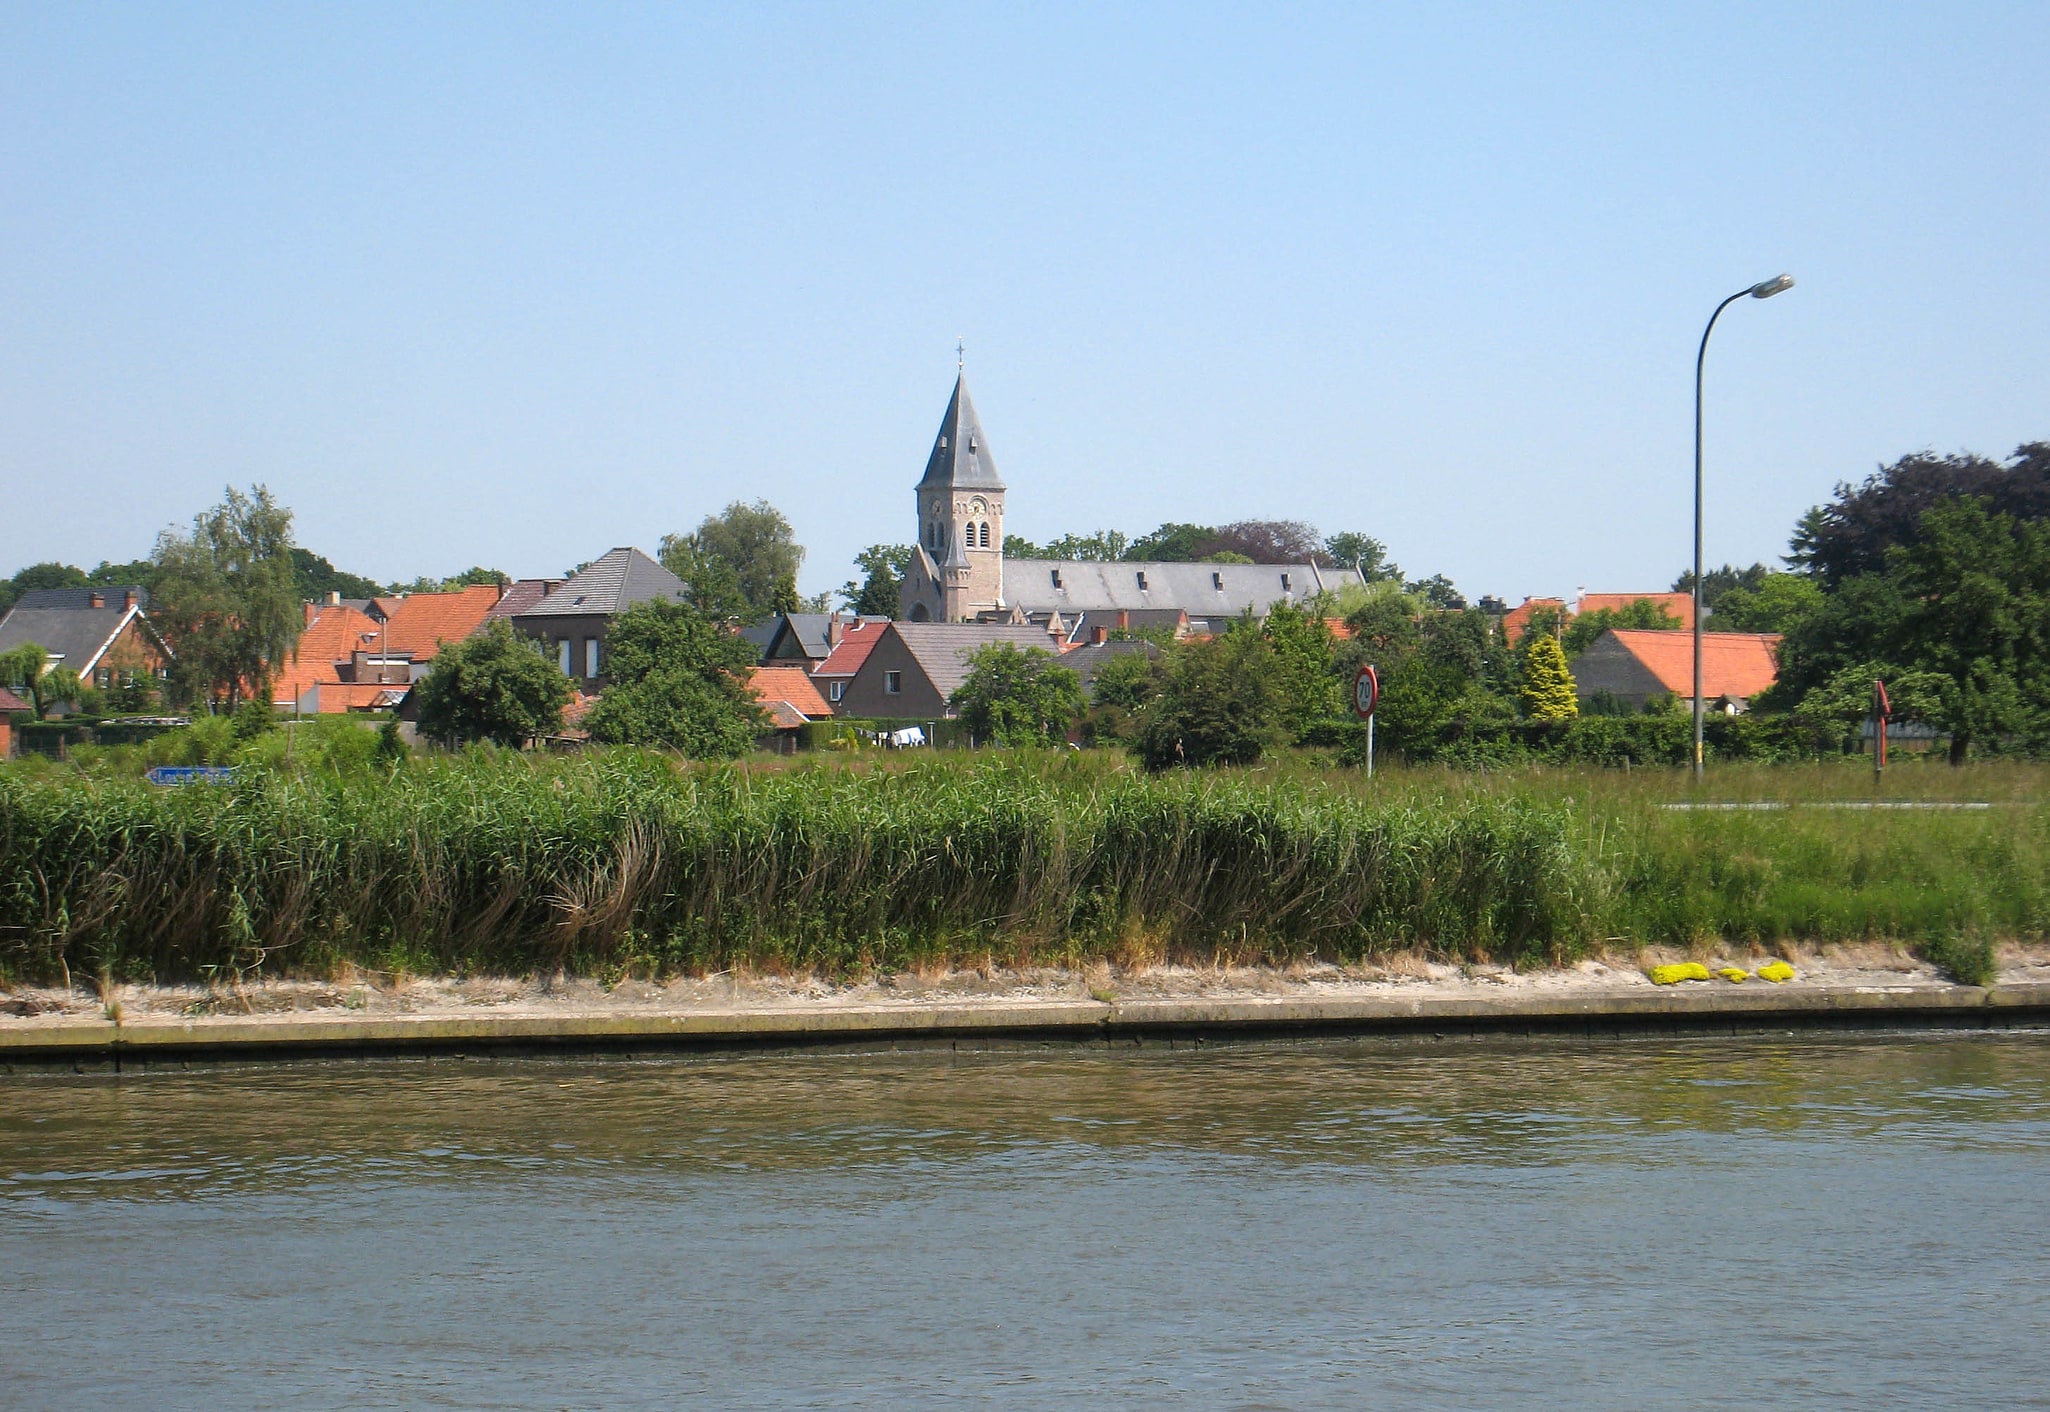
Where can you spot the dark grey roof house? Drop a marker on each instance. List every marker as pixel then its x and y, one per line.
pixel 914 667
pixel 803 638
pixel 571 622
pixel 97 632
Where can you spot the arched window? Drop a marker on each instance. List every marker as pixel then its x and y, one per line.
pixel 985 534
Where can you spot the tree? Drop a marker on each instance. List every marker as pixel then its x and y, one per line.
pixel 1852 534
pixel 1437 591
pixel 1639 614
pixel 1310 696
pixel 22 672
pixel 1385 623
pixel 1018 696
pixel 1548 693
pixel 314 578
pixel 36 576
pixel 678 679
pixel 1268 541
pixel 1172 544
pixel 713 585
pixel 226 602
pixel 883 567
pixel 1363 552
pixel 494 686
pixel 1127 680
pixel 1217 704
pixel 1716 582
pixel 756 543
pixel 1778 603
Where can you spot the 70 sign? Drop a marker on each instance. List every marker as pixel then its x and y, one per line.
pixel 1366 693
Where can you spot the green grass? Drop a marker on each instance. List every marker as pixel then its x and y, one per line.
pixel 616 862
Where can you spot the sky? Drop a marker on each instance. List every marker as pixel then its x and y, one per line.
pixel 511 285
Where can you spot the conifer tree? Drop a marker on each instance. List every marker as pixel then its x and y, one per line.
pixel 1548 693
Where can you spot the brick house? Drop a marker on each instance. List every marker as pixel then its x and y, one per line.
pixel 103 634
pixel 912 668
pixel 572 622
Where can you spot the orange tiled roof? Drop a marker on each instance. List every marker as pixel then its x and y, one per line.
pixel 1518 618
pixel 422 622
pixel 791 686
pixel 1680 605
pixel 10 702
pixel 852 650
pixel 329 640
pixel 1738 665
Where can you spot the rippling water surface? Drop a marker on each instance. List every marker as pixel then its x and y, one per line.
pixel 1683 1225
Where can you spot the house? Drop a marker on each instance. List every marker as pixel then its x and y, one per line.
pixel 832 675
pixel 571 622
pixel 959 574
pixel 103 634
pixel 1635 666
pixel 348 660
pixel 1087 661
pixel 521 595
pixel 9 704
pixel 912 668
pixel 1087 627
pixel 791 698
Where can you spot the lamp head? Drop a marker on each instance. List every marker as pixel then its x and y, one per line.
pixel 1778 284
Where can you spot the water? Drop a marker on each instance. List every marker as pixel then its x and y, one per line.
pixel 1695 1224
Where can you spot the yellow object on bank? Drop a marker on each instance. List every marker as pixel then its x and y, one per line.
pixel 1776 972
pixel 1677 972
pixel 1735 975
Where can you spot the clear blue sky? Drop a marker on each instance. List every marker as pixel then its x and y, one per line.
pixel 512 285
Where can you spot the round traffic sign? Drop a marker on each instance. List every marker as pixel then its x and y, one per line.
pixel 1366 692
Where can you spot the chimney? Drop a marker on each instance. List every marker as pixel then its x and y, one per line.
pixel 130 598
pixel 1098 636
pixel 98 600
pixel 310 611
pixel 836 629
pixel 1124 618
pixel 334 598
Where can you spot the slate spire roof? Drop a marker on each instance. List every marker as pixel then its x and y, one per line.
pixel 960 453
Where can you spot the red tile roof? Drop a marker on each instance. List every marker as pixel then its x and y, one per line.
pixel 422 622
pixel 1737 665
pixel 329 640
pixel 1680 605
pixel 852 650
pixel 10 702
pixel 789 686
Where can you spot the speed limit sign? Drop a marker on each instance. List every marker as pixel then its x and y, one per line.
pixel 1366 693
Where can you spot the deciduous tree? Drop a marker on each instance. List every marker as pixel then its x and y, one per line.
pixel 1018 696
pixel 226 601
pixel 494 686
pixel 677 679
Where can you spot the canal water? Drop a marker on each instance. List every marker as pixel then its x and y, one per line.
pixel 1627 1225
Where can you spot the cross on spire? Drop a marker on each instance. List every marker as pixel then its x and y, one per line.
pixel 960 355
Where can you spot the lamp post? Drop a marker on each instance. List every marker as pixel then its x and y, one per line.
pixel 1763 290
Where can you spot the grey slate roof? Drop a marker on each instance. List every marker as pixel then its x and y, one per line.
pixel 112 597
pixel 1203 591
pixel 521 595
pixel 942 650
pixel 960 453
pixel 809 629
pixel 1086 662
pixel 74 637
pixel 612 583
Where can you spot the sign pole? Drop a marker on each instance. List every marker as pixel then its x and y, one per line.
pixel 1370 747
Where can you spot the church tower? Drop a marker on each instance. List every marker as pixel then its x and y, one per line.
pixel 958 572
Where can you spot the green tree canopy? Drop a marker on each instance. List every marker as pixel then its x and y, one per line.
pixel 22 671
pixel 883 568
pixel 1363 552
pixel 677 679
pixel 741 563
pixel 1311 700
pixel 226 601
pixel 494 686
pixel 1018 696
pixel 1126 680
pixel 35 576
pixel 1172 543
pixel 1217 704
pixel 1777 603
pixel 314 578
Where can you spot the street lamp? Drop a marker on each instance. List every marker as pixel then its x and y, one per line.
pixel 1765 289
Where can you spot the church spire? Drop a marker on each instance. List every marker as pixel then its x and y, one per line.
pixel 960 453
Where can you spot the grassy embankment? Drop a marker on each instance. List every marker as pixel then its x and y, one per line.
pixel 620 862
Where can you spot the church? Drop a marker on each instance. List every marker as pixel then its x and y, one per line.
pixel 959 573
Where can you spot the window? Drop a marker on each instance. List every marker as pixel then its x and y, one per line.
pixel 835 691
pixel 562 656
pixel 893 683
pixel 1217 580
pixel 1056 578
pixel 1284 583
pixel 590 656
pixel 983 540
pixel 1142 580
